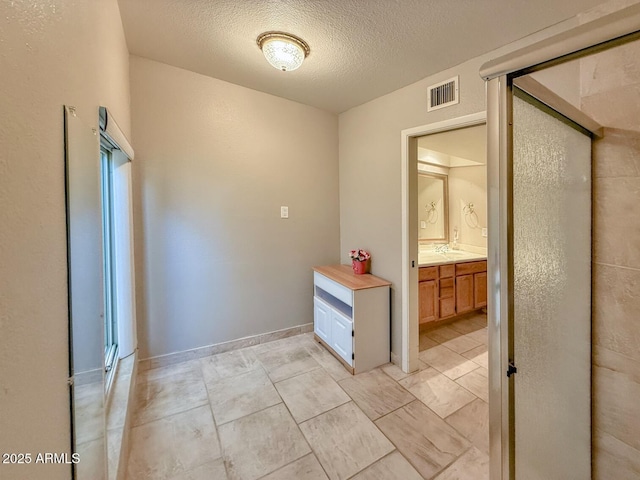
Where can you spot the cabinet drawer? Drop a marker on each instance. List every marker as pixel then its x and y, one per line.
pixel 339 291
pixel 447 271
pixel 471 267
pixel 428 273
pixel 446 288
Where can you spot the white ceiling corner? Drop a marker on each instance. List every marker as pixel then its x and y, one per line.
pixel 360 49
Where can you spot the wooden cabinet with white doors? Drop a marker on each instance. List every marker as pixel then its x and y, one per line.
pixel 351 316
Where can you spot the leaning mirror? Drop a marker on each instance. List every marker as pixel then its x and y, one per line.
pixel 86 301
pixel 433 208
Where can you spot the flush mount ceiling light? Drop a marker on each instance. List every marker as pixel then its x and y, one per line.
pixel 283 50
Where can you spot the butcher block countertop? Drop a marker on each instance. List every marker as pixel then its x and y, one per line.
pixel 343 274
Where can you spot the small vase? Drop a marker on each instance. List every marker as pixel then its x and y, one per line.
pixel 359 268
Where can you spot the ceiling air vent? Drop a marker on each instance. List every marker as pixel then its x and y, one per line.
pixel 443 94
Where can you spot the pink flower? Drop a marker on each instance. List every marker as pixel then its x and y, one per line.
pixel 359 255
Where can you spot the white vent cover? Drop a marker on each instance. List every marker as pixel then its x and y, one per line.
pixel 443 94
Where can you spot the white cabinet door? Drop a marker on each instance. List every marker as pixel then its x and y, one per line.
pixel 341 336
pixel 322 320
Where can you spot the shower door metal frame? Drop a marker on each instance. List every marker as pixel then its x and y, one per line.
pixel 606 32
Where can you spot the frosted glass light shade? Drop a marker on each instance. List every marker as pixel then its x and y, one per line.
pixel 282 50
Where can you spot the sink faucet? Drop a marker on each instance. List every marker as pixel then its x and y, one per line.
pixel 442 248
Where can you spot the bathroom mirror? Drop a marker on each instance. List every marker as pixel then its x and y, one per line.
pixel 86 301
pixel 433 208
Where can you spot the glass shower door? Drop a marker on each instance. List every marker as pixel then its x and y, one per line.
pixel 551 189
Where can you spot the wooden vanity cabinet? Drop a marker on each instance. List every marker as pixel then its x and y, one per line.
pixel 428 294
pixel 453 289
pixel 464 293
pixel 480 290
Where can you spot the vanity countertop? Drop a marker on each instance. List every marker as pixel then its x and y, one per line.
pixel 431 258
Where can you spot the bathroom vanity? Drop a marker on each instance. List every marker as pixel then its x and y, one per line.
pixel 351 316
pixel 449 287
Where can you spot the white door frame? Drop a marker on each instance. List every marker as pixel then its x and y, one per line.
pixel 409 294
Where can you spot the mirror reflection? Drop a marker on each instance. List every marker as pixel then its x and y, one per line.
pixel 84 226
pixel 433 208
pixel 101 292
pixel 459 158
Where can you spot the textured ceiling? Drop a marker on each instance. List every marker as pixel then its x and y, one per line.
pixel 360 49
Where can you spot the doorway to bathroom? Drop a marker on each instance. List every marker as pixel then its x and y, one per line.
pixel 444 225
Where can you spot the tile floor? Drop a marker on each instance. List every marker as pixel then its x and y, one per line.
pixel 288 410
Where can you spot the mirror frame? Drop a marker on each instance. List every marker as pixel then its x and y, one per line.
pixel 445 206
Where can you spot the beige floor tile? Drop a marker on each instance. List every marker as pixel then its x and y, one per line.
pixel 479 356
pixel 480 336
pixel 442 334
pixel 423 438
pixel 306 468
pixel 287 360
pixel 376 393
pixel 480 319
pixel 448 362
pixel 473 465
pixel 392 467
pixel 477 382
pixel 118 403
pixel 396 372
pixel 261 443
pixel 426 342
pixel 235 397
pixel 436 391
pixel 345 441
pixel 229 364
pixel 311 394
pixel 466 325
pixel 89 411
pixel 92 461
pixel 165 391
pixel 472 421
pixel 461 344
pixel 114 450
pixel 173 445
pixel 327 361
pixel 210 471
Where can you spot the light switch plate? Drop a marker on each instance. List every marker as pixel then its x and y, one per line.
pixel 484 232
pixel 423 224
pixel 284 212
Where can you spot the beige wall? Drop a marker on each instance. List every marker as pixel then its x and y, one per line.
pixel 468 185
pixel 370 166
pixel 612 100
pixel 214 163
pixel 370 187
pixel 53 53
